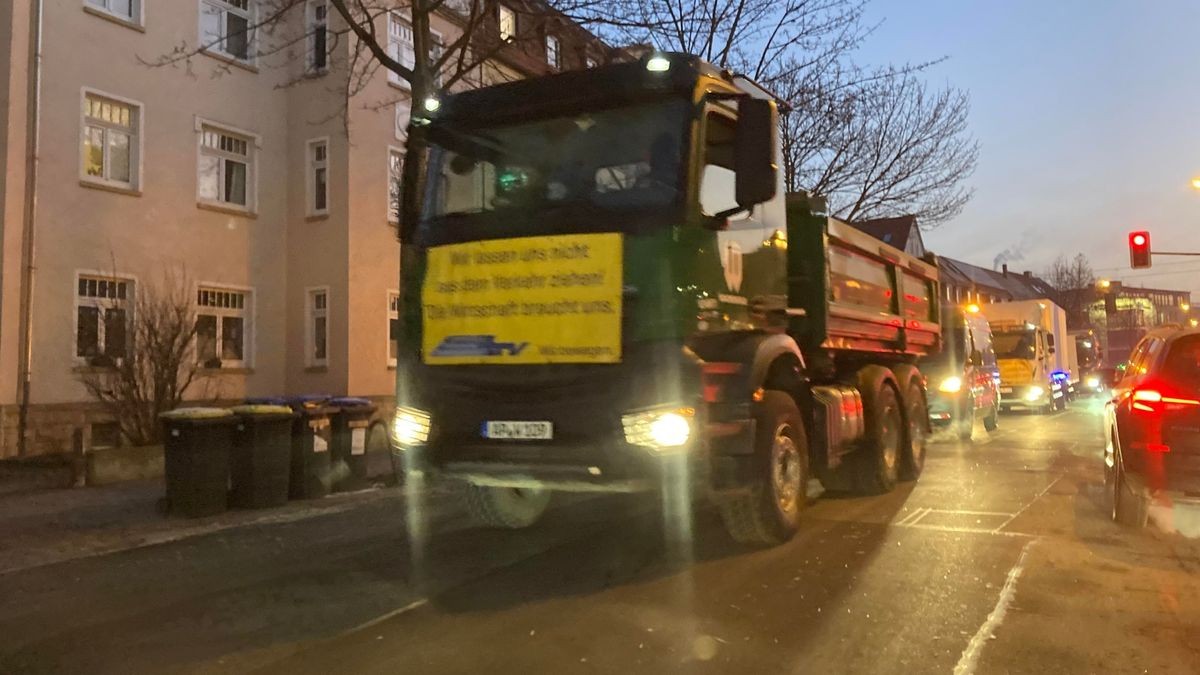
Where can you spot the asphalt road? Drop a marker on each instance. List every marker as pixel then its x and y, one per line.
pixel 1000 560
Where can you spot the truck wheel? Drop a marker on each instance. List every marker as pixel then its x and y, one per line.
pixel 992 421
pixel 966 425
pixel 912 461
pixel 509 508
pixel 769 513
pixel 877 462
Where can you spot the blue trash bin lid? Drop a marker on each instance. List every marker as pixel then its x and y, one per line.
pixel 349 402
pixel 197 413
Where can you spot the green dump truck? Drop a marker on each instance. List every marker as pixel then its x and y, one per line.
pixel 608 290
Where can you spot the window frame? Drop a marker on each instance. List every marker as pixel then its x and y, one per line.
pixel 129 303
pixel 218 48
pixel 311 313
pixel 500 12
pixel 312 165
pixel 253 147
pixel 556 61
pixel 393 17
pixel 393 314
pixel 137 13
pixel 310 22
pixel 249 322
pixel 136 153
pixel 393 150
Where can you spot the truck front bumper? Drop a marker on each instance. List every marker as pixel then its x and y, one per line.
pixel 1031 396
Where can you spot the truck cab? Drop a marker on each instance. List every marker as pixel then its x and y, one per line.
pixel 608 290
pixel 965 374
pixel 1030 339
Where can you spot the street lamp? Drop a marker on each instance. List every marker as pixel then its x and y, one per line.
pixel 1196 183
pixel 1104 284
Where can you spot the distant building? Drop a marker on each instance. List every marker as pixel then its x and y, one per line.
pixel 1123 314
pixel 901 232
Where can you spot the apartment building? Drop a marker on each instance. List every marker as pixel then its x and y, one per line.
pixel 241 172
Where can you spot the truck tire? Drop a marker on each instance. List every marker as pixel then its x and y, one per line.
pixel 877 462
pixel 912 459
pixel 769 513
pixel 507 508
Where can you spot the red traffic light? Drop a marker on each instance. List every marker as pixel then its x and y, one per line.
pixel 1139 249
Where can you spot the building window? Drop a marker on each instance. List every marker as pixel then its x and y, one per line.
pixel 508 24
pixel 222 317
pixel 395 175
pixel 226 27
pixel 318 177
pixel 102 319
pixel 393 314
pixel 110 141
pixel 127 10
pixel 435 55
pixel 318 36
pixel 226 169
pixel 553 57
pixel 318 327
pixel 400 46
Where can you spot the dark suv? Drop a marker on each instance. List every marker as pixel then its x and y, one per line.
pixel 1153 423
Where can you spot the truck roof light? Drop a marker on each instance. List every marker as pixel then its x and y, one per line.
pixel 658 64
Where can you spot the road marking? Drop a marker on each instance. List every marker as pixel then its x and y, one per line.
pixel 970 656
pixel 1027 505
pixel 416 604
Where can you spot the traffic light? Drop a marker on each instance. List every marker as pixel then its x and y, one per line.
pixel 1139 249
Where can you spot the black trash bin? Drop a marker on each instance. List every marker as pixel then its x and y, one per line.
pixel 311 438
pixel 196 455
pixel 351 422
pixel 260 466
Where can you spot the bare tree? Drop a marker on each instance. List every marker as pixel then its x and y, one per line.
pixel 156 364
pixel 883 146
pixel 1075 286
pixel 875 142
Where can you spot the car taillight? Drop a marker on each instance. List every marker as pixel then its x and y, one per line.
pixel 1154 401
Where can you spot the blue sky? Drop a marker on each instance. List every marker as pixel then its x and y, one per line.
pixel 1088 118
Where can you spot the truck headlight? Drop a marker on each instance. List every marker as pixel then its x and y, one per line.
pixel 659 429
pixel 410 427
pixel 1093 382
pixel 950 385
pixel 1035 392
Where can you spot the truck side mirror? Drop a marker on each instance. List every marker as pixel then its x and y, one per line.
pixel 754 152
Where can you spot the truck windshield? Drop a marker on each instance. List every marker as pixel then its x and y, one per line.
pixel 1015 345
pixel 588 164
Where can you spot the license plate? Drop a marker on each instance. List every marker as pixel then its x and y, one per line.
pixel 518 430
pixel 1005 390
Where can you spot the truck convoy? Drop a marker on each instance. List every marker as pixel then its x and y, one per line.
pixel 608 290
pixel 1031 343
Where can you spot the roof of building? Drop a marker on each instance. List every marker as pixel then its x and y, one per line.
pixel 891 231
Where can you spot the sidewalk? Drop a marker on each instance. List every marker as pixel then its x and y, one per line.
pixel 44 527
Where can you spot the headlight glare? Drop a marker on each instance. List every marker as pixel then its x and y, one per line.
pixel 659 429
pixel 1035 392
pixel 951 385
pixel 410 427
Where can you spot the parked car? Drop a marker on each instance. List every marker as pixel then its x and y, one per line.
pixel 964 377
pixel 1153 423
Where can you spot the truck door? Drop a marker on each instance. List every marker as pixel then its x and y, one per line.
pixel 753 256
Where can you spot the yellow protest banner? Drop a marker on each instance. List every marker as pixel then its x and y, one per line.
pixel 552 299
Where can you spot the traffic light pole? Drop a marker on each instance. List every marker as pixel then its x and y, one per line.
pixel 1172 253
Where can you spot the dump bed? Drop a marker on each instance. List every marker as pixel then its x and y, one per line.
pixel 856 293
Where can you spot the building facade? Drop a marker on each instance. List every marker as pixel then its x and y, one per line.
pixel 240 176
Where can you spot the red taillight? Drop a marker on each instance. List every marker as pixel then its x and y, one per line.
pixel 1158 447
pixel 1145 400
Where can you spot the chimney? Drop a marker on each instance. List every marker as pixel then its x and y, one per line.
pixel 1004 269
pixel 1027 274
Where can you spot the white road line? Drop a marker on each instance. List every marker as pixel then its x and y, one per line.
pixel 912 516
pixel 1029 504
pixel 416 604
pixel 970 656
